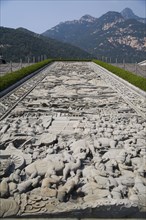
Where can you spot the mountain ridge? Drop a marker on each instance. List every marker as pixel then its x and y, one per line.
pixel 127 13
pixel 21 43
pixel 110 35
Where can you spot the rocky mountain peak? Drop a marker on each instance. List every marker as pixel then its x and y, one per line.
pixel 87 18
pixel 112 14
pixel 110 17
pixel 112 35
pixel 127 13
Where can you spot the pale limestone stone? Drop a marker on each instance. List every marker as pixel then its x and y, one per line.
pixel 48 192
pixel 77 150
pixel 12 186
pixel 4 189
pixel 48 138
pixel 8 207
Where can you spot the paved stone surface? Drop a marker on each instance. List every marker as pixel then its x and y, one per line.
pixel 74 146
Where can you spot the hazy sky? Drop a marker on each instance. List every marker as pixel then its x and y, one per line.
pixel 41 15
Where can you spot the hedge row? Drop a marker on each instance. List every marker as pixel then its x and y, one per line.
pixel 11 78
pixel 137 81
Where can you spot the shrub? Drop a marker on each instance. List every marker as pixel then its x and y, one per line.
pixel 11 78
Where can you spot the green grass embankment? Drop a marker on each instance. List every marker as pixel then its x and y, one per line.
pixel 137 81
pixel 11 78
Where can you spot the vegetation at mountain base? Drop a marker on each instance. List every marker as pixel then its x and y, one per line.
pixel 16 44
pixel 11 78
pixel 137 81
pixel 114 36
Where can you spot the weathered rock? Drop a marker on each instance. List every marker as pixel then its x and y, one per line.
pixel 116 193
pixel 18 161
pixel 105 142
pixel 98 194
pixel 78 151
pixel 24 186
pixel 71 167
pixel 61 194
pixel 48 192
pixel 4 129
pixel 48 138
pixel 5 165
pixel 12 187
pixel 9 207
pixel 102 182
pixel 15 176
pixel 4 189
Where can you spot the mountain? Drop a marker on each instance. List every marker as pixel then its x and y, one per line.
pixel 127 13
pixel 112 35
pixel 22 43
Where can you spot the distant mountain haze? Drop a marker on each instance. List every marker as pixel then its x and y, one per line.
pixel 114 35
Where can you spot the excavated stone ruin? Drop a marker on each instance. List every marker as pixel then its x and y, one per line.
pixel 74 146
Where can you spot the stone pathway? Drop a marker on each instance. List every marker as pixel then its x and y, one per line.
pixel 74 146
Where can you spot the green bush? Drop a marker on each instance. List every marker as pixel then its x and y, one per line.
pixel 137 81
pixel 11 78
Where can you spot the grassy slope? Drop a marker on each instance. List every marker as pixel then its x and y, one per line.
pixel 137 81
pixel 11 78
